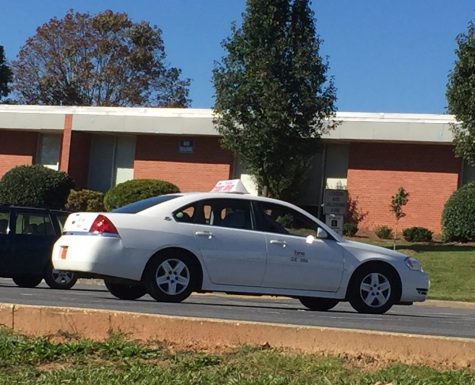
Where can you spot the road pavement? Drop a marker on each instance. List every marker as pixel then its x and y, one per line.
pixel 438 319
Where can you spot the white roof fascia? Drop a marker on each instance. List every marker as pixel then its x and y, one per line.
pixel 414 128
pixel 31 118
pixel 353 126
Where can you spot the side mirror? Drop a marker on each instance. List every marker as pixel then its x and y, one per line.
pixel 321 234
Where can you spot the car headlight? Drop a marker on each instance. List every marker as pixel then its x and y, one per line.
pixel 413 263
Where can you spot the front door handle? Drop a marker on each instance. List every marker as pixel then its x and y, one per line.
pixel 278 242
pixel 208 234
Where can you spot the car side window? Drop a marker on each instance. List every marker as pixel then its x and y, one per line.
pixel 274 218
pixel 185 214
pixel 4 222
pixel 233 213
pixel 35 224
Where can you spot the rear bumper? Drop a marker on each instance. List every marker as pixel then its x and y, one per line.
pixel 96 255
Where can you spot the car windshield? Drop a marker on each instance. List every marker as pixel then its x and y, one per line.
pixel 135 207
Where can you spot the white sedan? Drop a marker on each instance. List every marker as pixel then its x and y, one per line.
pixel 172 245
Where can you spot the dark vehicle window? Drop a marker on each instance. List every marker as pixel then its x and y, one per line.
pixel 144 204
pixel 234 213
pixel 4 221
pixel 34 224
pixel 274 218
pixel 61 217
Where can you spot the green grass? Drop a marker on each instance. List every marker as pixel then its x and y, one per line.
pixel 451 267
pixel 118 361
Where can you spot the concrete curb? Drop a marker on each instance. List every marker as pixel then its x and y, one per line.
pixel 185 332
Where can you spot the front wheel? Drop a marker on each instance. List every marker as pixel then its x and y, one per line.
pixel 125 290
pixel 63 280
pixel 170 277
pixel 27 281
pixel 374 290
pixel 318 304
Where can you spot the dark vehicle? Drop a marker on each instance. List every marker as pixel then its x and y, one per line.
pixel 27 236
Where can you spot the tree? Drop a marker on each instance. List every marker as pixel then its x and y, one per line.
pixel 461 95
pixel 5 74
pixel 398 201
pixel 273 97
pixel 100 60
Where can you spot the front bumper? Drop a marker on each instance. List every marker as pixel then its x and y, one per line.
pixel 415 286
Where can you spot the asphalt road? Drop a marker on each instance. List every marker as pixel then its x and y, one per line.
pixel 425 319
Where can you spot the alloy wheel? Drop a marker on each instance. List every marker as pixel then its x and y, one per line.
pixel 375 290
pixel 173 276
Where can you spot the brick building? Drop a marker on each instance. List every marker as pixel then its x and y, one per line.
pixel 371 155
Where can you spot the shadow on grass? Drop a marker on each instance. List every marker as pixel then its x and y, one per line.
pixel 433 246
pixel 436 247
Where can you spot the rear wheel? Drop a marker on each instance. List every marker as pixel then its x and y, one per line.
pixel 27 281
pixel 374 289
pixel 56 279
pixel 318 304
pixel 170 277
pixel 125 290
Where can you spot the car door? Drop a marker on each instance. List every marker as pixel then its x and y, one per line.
pixel 296 258
pixel 232 251
pixel 32 241
pixel 5 244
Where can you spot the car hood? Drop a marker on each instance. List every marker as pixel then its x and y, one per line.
pixel 364 251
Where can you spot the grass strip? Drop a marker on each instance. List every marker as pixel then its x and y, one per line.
pixel 119 361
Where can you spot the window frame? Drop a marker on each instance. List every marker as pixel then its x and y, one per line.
pixel 260 219
pixel 199 211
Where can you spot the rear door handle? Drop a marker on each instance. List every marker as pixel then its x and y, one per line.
pixel 278 242
pixel 208 234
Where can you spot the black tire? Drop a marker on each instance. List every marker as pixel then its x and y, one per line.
pixel 27 281
pixel 126 291
pixel 374 289
pixel 170 277
pixel 318 304
pixel 63 280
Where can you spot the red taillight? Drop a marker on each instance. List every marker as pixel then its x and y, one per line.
pixel 103 225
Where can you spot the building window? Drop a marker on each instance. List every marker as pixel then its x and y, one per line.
pixel 48 150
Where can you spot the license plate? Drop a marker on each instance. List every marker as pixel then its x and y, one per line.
pixel 64 252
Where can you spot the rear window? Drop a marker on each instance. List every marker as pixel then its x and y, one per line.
pixel 144 204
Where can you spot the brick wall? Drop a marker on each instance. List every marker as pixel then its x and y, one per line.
pixel 430 173
pixel 17 149
pixel 158 157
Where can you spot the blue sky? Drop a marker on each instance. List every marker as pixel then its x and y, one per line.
pixel 384 55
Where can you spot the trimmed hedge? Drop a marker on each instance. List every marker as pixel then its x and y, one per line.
pixel 135 190
pixel 35 186
pixel 417 234
pixel 458 218
pixel 384 232
pixel 85 200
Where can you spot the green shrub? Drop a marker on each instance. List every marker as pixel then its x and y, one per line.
pixel 417 234
pixel 350 229
pixel 135 190
pixel 384 232
pixel 85 200
pixel 458 218
pixel 35 186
